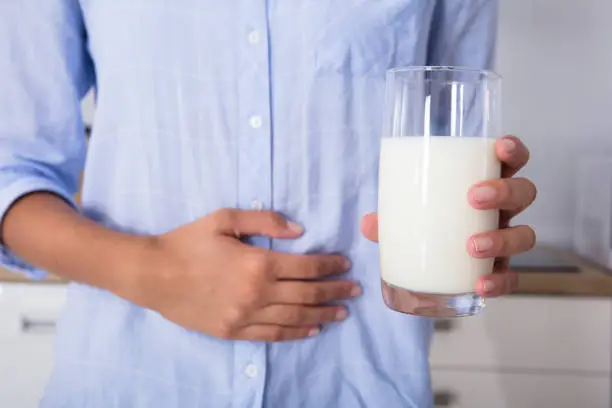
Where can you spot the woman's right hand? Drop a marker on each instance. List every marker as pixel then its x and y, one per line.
pixel 203 277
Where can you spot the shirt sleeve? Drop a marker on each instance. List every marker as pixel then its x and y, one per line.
pixel 464 33
pixel 45 70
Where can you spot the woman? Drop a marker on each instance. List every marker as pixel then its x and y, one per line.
pixel 213 119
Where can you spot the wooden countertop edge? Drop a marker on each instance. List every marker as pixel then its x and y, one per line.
pixel 7 276
pixel 551 283
pixel 592 281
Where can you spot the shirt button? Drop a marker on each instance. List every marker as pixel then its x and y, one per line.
pixel 254 37
pixel 251 371
pixel 257 205
pixel 255 122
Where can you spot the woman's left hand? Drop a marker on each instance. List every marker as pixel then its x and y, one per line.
pixel 509 194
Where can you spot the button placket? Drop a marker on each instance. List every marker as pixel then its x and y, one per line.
pixel 254 171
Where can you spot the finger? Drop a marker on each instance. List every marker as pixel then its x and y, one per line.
pixel 240 223
pixel 273 333
pixel 513 154
pixel 291 266
pixel 497 284
pixel 290 315
pixel 314 293
pixel 501 243
pixel 513 194
pixel 369 227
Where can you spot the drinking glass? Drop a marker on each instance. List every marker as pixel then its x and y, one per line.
pixel 439 131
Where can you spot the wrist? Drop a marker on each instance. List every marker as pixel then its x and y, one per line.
pixel 132 267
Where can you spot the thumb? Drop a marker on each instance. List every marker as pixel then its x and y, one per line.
pixel 369 227
pixel 240 223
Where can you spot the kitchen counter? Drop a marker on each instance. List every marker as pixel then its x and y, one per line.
pixel 587 279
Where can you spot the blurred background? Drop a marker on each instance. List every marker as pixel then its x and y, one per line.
pixel 550 344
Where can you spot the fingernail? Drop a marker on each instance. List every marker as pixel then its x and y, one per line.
pixel 482 244
pixel 508 145
pixel 295 227
pixel 488 286
pixel 356 291
pixel 341 315
pixel 484 194
pixel 314 332
pixel 346 264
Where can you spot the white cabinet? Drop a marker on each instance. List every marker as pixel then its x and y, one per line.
pixel 534 333
pixel 520 390
pixel 28 315
pixel 526 352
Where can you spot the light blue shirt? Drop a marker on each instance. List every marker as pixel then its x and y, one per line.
pixel 203 104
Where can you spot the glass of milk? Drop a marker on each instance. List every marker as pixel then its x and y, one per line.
pixel 439 130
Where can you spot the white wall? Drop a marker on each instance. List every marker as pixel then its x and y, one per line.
pixel 556 60
pixel 88 108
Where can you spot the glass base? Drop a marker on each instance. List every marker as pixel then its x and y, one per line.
pixel 431 304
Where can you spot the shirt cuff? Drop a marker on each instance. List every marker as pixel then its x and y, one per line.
pixel 8 196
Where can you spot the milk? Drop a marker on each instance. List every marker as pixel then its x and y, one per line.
pixel 425 219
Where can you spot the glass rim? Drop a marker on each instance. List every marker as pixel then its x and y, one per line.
pixel 445 68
